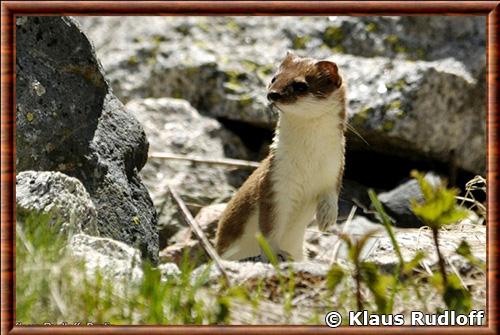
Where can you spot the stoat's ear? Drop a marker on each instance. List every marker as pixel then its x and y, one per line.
pixel 290 56
pixel 331 70
pixel 328 67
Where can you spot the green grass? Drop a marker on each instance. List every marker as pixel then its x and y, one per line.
pixel 52 286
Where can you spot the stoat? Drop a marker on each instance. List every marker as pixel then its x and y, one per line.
pixel 302 174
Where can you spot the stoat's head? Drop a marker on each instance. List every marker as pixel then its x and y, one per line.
pixel 306 87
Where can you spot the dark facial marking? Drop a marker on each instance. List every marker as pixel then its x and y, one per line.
pixel 300 87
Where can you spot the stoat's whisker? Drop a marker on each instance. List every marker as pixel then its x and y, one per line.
pixel 351 128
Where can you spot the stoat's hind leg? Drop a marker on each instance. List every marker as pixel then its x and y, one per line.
pixel 246 245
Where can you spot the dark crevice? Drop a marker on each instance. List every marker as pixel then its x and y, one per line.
pixel 255 139
pixel 385 171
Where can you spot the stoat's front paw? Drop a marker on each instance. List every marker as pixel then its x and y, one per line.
pixel 326 214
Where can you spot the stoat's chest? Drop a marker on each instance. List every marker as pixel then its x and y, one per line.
pixel 308 159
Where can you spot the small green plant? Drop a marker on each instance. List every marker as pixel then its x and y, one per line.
pixel 286 284
pixel 355 248
pixel 334 277
pixel 403 269
pixel 464 250
pixel 439 208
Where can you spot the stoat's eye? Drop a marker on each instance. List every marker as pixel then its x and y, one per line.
pixel 300 86
pixel 273 80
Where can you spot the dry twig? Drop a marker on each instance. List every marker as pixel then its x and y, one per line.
pixel 220 161
pixel 199 234
pixel 336 247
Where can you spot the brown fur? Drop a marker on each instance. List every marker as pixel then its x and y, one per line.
pixel 342 113
pixel 342 127
pixel 256 187
pixel 266 201
pixel 340 176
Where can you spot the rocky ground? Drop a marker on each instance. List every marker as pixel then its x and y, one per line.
pixel 196 87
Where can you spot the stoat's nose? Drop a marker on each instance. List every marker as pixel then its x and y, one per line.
pixel 273 96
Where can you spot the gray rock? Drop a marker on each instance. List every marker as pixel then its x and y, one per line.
pixel 208 217
pixel 168 270
pixel 433 108
pixel 68 120
pixel 325 247
pixel 174 126
pixel 111 258
pixel 175 252
pixel 411 241
pixel 62 197
pixel 397 202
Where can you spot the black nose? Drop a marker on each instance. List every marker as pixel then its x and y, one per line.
pixel 273 96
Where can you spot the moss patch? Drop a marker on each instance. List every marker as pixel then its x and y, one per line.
pixel 245 100
pixel 395 104
pixel 397 85
pixel 133 60
pixel 333 36
pixel 395 44
pixel 388 125
pixel 300 42
pixel 360 118
pixel 371 27
pixel 230 87
pixel 231 25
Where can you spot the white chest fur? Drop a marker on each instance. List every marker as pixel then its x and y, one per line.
pixel 308 160
pixel 308 154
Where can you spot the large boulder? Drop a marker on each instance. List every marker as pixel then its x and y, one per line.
pixel 420 94
pixel 62 198
pixel 417 110
pixel 68 120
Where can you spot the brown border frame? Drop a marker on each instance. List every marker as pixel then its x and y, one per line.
pixel 11 8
